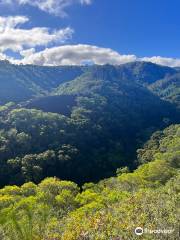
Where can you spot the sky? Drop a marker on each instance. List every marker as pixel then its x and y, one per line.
pixel 74 32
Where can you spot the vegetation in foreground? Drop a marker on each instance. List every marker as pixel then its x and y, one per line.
pixel 111 209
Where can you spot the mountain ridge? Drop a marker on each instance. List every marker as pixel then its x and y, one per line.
pixel 36 81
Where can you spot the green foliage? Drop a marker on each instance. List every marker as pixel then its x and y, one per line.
pixel 168 88
pixel 160 142
pixel 104 114
pixel 111 209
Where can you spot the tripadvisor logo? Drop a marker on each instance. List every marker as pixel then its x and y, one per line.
pixel 139 231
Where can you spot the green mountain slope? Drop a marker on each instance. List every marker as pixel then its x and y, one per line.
pixel 23 82
pixel 162 81
pixel 145 72
pixel 89 123
pixel 168 88
pixel 19 83
pixel 108 119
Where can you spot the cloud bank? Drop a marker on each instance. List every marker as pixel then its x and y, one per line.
pixel 171 62
pixel 56 7
pixel 76 55
pixel 81 53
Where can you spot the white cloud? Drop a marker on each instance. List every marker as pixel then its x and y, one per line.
pixel 17 39
pixel 76 55
pixel 27 52
pixel 12 22
pixel 57 7
pixel 171 62
pixel 81 53
pixel 3 57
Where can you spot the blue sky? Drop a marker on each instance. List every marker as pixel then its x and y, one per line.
pixel 102 31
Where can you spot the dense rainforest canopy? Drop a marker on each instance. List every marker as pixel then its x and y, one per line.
pixel 80 123
pixel 88 152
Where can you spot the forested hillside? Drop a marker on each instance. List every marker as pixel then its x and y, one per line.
pixel 24 82
pixel 168 88
pixel 88 152
pixel 112 209
pixel 103 119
